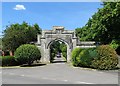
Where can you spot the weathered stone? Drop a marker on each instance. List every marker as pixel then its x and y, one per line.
pixel 58 33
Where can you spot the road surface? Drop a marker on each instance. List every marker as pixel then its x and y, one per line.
pixel 57 73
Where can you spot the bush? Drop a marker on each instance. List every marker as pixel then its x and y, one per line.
pixel 75 56
pixel 106 59
pixel 64 52
pixel 83 57
pixel 103 57
pixel 86 56
pixel 64 55
pixel 8 61
pixel 52 56
pixel 27 54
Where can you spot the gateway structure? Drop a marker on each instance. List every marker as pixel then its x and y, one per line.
pixel 58 34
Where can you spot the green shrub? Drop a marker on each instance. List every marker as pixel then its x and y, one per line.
pixel 7 61
pixel 86 56
pixel 83 56
pixel 64 52
pixel 64 55
pixel 103 57
pixel 27 54
pixel 52 56
pixel 75 56
pixel 106 59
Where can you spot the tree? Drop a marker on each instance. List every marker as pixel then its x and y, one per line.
pixel 103 26
pixel 18 34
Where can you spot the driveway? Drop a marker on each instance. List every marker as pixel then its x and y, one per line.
pixel 57 73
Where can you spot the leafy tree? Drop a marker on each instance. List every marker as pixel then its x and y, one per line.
pixel 18 34
pixel 103 26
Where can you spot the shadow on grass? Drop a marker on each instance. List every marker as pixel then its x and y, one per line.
pixel 32 65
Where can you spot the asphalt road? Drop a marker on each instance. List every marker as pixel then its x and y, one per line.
pixel 57 73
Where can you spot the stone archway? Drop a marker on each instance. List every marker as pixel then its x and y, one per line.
pixel 58 33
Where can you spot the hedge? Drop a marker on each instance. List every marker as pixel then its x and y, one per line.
pixel 103 57
pixel 8 61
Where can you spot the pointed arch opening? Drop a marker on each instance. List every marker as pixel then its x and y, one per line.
pixel 58 50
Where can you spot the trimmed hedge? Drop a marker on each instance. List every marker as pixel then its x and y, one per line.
pixel 107 58
pixel 8 61
pixel 27 53
pixel 103 57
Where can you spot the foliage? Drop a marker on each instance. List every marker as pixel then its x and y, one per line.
pixel 52 55
pixel 54 48
pixel 75 56
pixel 86 56
pixel 103 26
pixel 114 44
pixel 64 50
pixel 8 61
pixel 103 57
pixel 107 58
pixel 18 34
pixel 27 54
pixel 58 47
pixel 83 56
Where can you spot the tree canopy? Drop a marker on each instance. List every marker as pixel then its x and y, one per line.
pixel 103 26
pixel 18 34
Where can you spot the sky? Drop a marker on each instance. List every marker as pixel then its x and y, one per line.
pixel 71 15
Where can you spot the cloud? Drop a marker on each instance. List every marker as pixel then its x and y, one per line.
pixel 19 7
